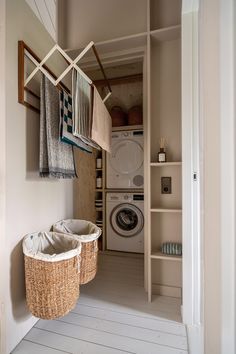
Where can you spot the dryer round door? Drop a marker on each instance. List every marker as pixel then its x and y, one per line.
pixel 126 157
pixel 127 220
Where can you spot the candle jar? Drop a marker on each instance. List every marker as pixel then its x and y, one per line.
pixel 99 163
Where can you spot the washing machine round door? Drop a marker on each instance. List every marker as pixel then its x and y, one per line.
pixel 126 157
pixel 127 220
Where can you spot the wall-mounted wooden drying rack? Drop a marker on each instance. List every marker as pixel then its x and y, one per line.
pixel 24 50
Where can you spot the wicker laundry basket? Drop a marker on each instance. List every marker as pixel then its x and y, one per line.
pixel 52 265
pixel 88 233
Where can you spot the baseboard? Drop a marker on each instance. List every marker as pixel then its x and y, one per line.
pixel 164 290
pixel 195 339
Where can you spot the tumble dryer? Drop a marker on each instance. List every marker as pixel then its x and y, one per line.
pixel 125 222
pixel 125 163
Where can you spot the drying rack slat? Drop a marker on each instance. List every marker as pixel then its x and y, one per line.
pixel 25 50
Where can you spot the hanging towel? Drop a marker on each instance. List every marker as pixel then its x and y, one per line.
pixel 101 123
pixel 66 123
pixel 56 159
pixel 82 109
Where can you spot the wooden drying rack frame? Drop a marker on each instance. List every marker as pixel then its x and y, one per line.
pixel 22 49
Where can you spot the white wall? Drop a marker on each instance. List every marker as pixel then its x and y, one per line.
pixel 98 20
pixel 32 203
pixel 2 172
pixel 46 11
pixel 210 117
pixel 228 177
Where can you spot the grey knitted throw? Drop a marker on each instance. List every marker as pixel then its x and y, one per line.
pixel 56 158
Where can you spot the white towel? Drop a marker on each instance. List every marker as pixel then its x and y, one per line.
pixel 101 123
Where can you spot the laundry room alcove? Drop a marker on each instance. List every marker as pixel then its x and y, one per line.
pixel 143 66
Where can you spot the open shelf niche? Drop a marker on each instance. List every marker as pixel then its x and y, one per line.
pixel 165 210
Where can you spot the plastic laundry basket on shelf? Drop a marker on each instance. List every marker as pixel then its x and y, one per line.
pixel 88 233
pixel 52 265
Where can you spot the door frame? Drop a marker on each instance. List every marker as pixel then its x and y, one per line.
pixel 2 173
pixel 228 174
pixel 192 179
pixel 193 290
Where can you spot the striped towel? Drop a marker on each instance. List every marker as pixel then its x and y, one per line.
pixel 66 123
pixel 56 159
pixel 82 109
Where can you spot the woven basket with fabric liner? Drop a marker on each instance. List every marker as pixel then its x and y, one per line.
pixel 88 234
pixel 52 266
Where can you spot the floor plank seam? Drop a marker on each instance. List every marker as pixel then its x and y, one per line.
pixel 83 340
pixel 43 345
pixel 130 314
pixel 121 335
pixel 160 312
pixel 126 324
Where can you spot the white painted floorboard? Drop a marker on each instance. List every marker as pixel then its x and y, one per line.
pixel 112 316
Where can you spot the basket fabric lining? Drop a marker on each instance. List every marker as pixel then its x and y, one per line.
pixel 51 246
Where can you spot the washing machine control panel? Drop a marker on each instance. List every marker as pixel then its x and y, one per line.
pixel 125 197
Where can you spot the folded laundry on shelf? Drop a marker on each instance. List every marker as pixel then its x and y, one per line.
pixel 172 248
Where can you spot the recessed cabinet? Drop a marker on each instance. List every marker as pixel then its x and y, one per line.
pixel 154 52
pixel 164 121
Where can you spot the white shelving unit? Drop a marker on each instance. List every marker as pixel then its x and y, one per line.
pixel 99 196
pixel 166 34
pixel 164 211
pixel 165 164
pixel 159 255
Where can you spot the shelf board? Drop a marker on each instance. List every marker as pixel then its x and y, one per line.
pixel 134 44
pixel 134 190
pixel 164 164
pixel 99 209
pixel 166 34
pixel 98 190
pixel 166 257
pixel 165 210
pixel 98 169
pixel 127 127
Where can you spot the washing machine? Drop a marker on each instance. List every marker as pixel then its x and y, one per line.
pixel 125 162
pixel 125 222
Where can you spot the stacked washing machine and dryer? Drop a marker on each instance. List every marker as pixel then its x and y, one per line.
pixel 125 198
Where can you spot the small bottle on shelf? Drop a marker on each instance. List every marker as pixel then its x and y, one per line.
pixel 99 182
pixel 161 157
